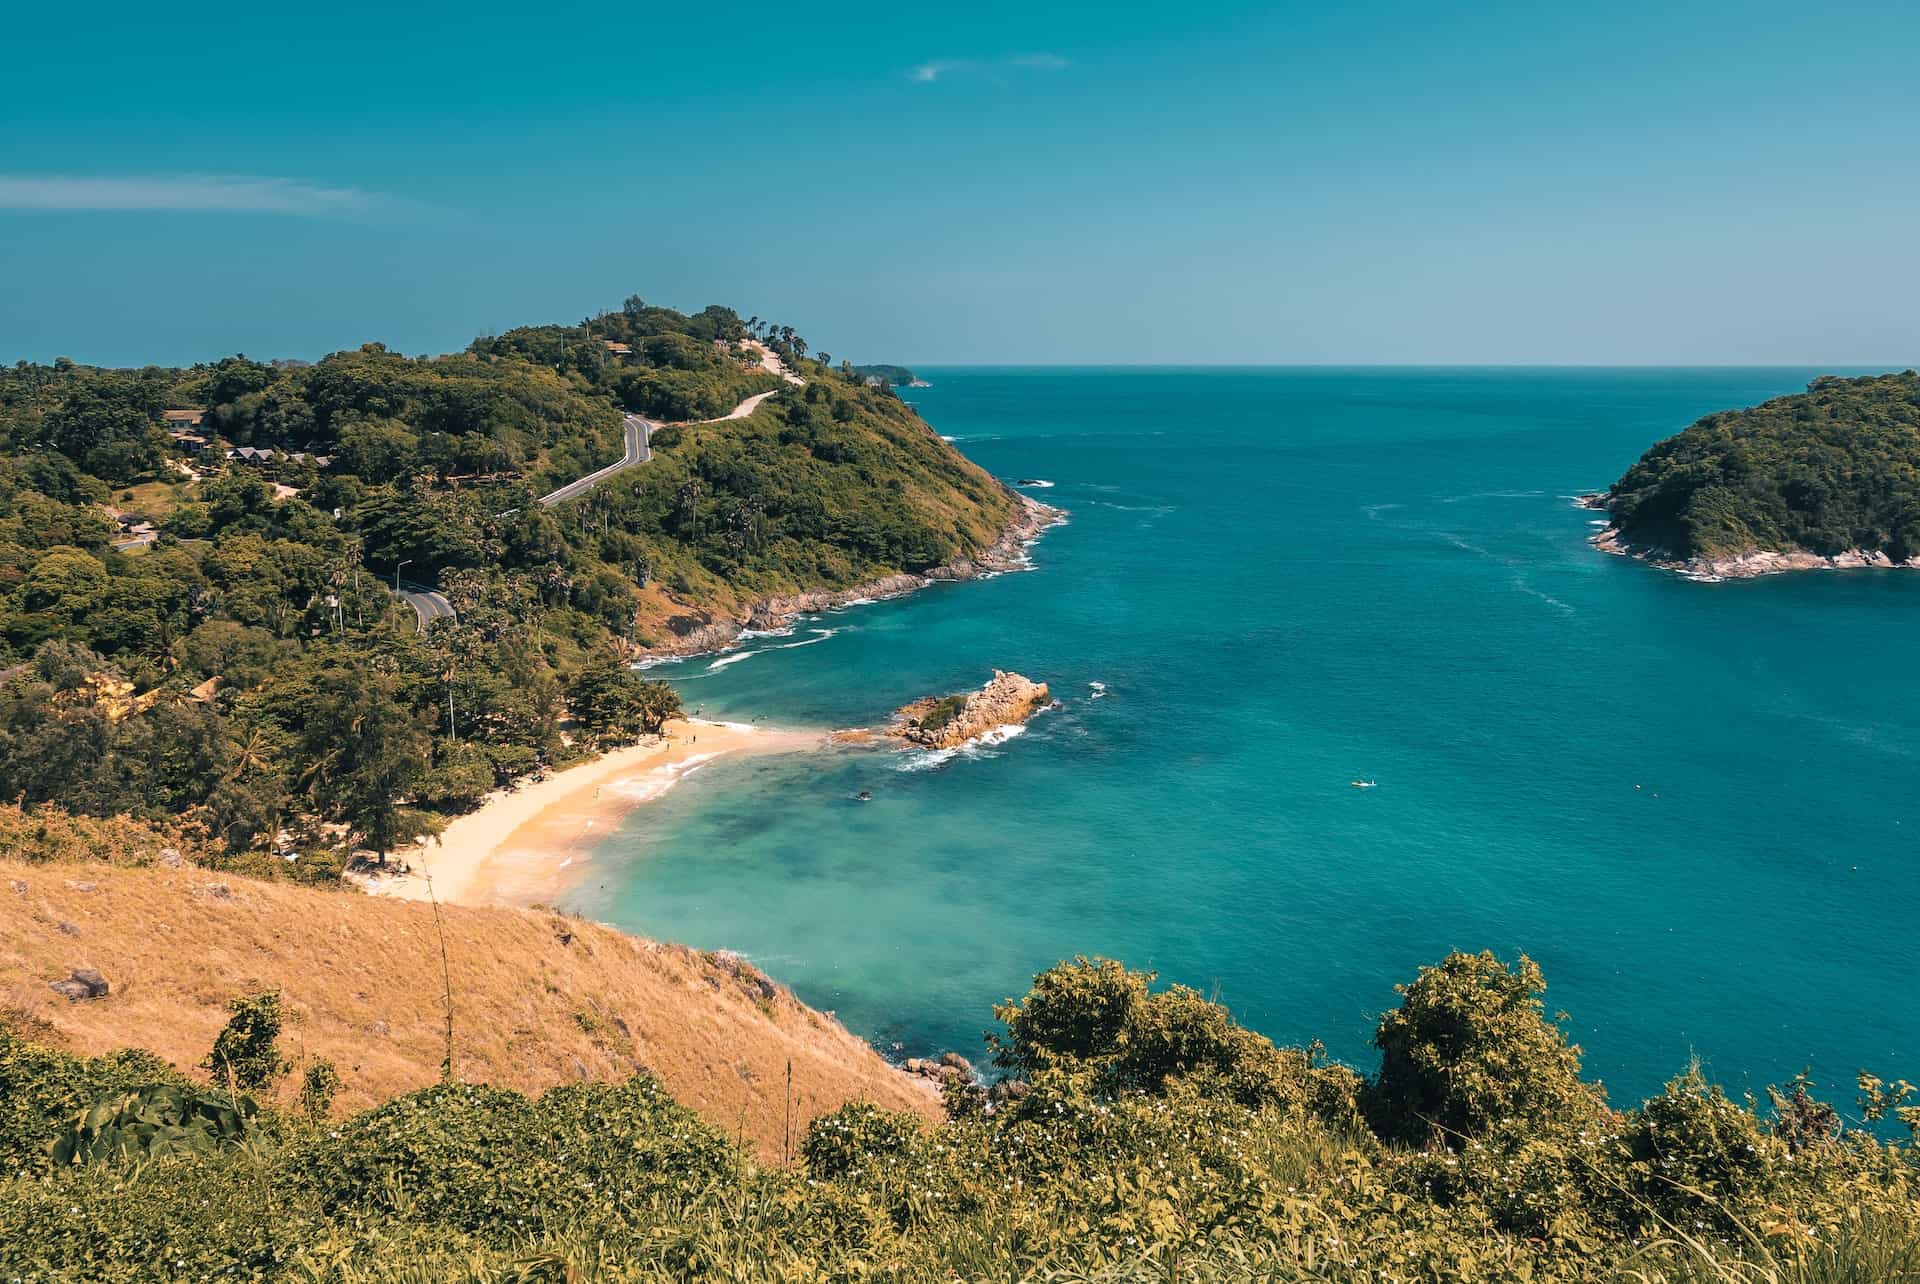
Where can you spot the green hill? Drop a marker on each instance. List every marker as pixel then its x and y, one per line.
pixel 1829 471
pixel 221 540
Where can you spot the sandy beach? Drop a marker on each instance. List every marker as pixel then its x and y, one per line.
pixel 527 845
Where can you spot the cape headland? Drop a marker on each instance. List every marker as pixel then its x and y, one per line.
pixel 1820 480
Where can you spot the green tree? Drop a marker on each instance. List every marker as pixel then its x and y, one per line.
pixel 245 1050
pixel 362 750
pixel 613 702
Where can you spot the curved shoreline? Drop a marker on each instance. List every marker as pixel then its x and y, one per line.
pixel 1749 565
pixel 528 845
pixel 1007 553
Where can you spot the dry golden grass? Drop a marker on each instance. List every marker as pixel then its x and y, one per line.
pixel 539 998
pixel 155 499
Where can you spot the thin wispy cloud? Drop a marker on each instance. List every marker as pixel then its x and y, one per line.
pixel 938 69
pixel 183 192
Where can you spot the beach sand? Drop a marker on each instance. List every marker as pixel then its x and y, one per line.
pixel 527 846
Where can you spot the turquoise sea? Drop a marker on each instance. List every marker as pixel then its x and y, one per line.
pixel 1693 804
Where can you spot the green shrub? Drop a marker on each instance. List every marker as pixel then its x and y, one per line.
pixel 944 710
pixel 858 1138
pixel 1695 1157
pixel 1469 1051
pixel 318 1084
pixel 156 1121
pixel 43 1091
pixel 244 1051
pixel 1095 1022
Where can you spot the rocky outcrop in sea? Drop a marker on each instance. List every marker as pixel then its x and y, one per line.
pixel 942 722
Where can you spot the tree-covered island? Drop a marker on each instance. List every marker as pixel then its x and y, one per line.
pixel 1825 478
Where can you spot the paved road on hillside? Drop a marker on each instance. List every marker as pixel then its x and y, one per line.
pixel 638 452
pixel 639 430
pixel 428 603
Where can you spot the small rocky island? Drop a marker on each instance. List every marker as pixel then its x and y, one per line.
pixel 941 722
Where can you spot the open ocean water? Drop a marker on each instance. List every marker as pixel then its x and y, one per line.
pixel 1693 804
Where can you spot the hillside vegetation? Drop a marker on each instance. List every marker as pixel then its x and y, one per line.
pixel 1828 471
pixel 1146 1137
pixel 209 639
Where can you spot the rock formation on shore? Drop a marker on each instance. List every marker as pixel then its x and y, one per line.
pixel 1745 565
pixel 941 722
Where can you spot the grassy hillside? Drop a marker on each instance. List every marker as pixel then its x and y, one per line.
pixel 1146 1137
pixel 539 998
pixel 1832 469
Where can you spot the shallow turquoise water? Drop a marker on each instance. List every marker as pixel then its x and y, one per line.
pixel 1692 803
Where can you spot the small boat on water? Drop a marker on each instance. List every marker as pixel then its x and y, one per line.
pixel 1364 784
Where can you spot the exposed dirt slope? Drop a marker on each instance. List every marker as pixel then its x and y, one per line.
pixel 539 998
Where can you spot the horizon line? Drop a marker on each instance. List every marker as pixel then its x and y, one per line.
pixel 1892 366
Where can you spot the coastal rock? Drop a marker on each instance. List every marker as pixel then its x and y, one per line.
pixel 951 1067
pixel 1745 565
pixel 84 983
pixel 941 722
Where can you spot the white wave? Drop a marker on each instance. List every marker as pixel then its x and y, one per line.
pixel 857 601
pixel 1159 510
pixel 1493 494
pixel 660 779
pixel 750 634
pixel 747 727
pixel 1600 521
pixel 1034 483
pixel 944 437
pixel 819 636
pixel 977 747
pixel 653 660
pixel 1099 690
pixel 732 657
pixel 1520 582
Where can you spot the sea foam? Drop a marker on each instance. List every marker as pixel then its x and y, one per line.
pixel 977 747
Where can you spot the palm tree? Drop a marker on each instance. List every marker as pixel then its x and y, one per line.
pixel 252 752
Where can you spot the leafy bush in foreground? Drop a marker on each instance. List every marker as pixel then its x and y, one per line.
pixel 1154 1140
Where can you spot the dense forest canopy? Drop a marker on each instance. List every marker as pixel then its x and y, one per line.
pixel 195 564
pixel 1828 470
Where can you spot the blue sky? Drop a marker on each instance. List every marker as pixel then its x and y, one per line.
pixel 1388 182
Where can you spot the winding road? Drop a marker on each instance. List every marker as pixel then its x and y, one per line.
pixel 638 452
pixel 429 604
pixel 640 429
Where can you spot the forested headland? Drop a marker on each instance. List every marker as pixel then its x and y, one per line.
pixel 1833 472
pixel 198 620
